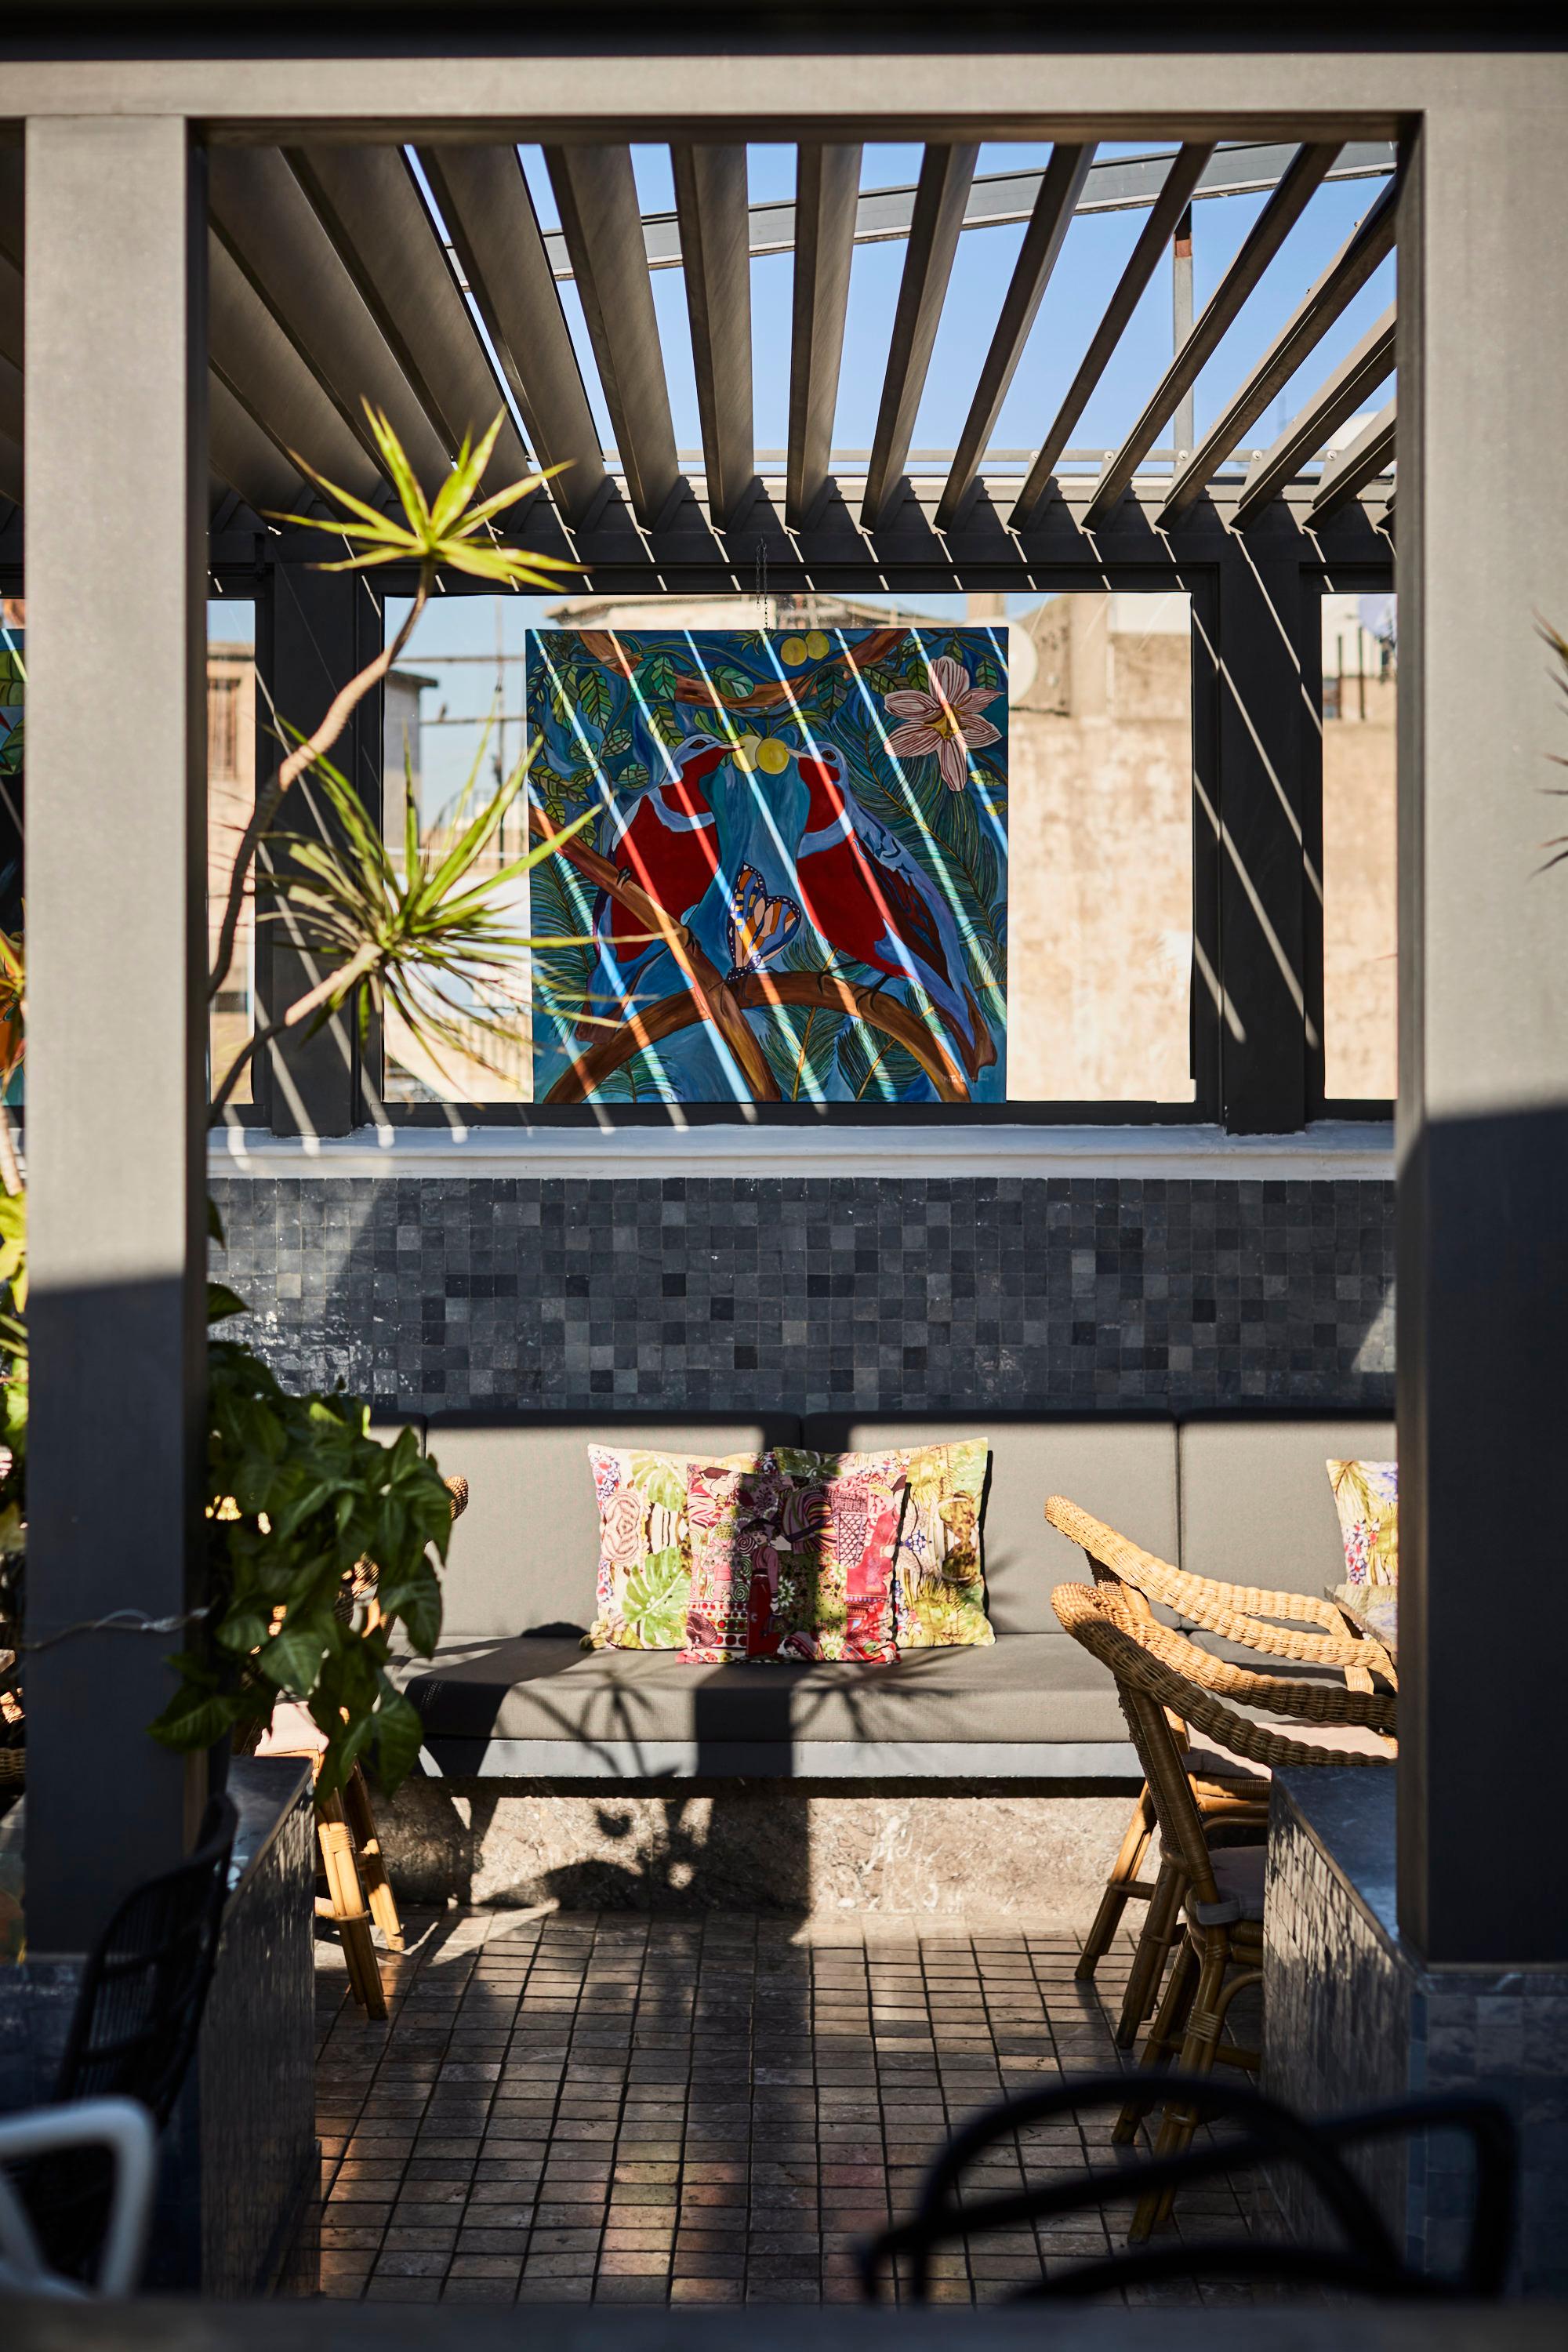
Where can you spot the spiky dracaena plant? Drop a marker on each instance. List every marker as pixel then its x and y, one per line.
pixel 451 532
pixel 433 943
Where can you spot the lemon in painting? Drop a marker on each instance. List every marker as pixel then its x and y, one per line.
pixel 772 757
pixel 744 751
pixel 816 646
pixel 791 653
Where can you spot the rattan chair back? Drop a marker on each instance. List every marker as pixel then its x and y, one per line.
pixel 1234 1611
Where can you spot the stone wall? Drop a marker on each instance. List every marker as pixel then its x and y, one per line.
pixel 983 1852
pixel 954 1294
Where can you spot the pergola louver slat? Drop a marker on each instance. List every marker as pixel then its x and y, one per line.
pixel 268 377
pixel 366 200
pixel 489 214
pixel 1187 169
pixel 264 218
pixel 1368 245
pixel 1048 224
pixel 596 191
pixel 827 183
pixel 248 460
pixel 1352 469
pixel 1310 167
pixel 711 205
pixel 1345 391
pixel 946 175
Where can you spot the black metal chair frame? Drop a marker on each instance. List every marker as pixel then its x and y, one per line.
pixel 1369 2262
pixel 134 2029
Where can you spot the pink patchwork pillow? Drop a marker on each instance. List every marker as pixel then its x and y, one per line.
pixel 794 1560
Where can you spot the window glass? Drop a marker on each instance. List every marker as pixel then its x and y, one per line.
pixel 1360 905
pixel 231 798
pixel 1100 902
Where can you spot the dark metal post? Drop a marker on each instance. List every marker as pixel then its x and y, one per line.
pixel 1263 715
pixel 322 627
pixel 116 369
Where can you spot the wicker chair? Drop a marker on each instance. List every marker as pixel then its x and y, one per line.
pixel 1221 1952
pixel 1225 1791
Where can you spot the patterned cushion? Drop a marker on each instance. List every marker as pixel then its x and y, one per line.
pixel 1367 1495
pixel 792 1559
pixel 645 1549
pixel 938 1578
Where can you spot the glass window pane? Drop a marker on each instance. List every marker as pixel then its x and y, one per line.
pixel 231 798
pixel 1360 902
pixel 1100 903
pixel 454 719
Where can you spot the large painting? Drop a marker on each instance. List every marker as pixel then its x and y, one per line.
pixel 795 887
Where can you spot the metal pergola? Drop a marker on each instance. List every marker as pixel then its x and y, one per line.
pixel 222 223
pixel 418 276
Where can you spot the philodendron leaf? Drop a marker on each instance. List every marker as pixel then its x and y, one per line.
pixel 290 1659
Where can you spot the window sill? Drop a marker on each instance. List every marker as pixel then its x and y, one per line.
pixel 1349 1150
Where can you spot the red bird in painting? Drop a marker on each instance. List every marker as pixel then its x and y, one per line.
pixel 667 847
pixel 865 895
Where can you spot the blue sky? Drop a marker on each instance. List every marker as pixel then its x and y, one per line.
pixel 1096 248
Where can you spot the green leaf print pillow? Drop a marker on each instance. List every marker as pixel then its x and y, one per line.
pixel 939 1575
pixel 645 1548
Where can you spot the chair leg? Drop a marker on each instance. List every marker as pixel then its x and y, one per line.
pixel 1205 2021
pixel 1118 1887
pixel 348 1906
pixel 1165 2035
pixel 372 1870
pixel 1162 1927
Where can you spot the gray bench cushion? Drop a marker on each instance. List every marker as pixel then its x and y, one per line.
pixel 1121 1469
pixel 1030 1688
pixel 525 1553
pixel 1257 1506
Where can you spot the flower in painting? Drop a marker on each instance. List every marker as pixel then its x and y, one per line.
pixel 945 720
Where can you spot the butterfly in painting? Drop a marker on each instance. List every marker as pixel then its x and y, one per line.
pixel 757 926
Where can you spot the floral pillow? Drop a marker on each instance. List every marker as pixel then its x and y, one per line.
pixel 792 1559
pixel 645 1549
pixel 938 1578
pixel 1367 1495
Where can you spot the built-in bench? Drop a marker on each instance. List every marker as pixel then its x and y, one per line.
pixel 511 1694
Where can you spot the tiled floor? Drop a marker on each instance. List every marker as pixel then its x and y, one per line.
pixel 715 2110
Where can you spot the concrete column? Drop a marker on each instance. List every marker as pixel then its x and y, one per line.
pixel 116 507
pixel 1483 975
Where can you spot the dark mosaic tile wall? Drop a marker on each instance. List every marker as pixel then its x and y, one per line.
pixel 1352 2019
pixel 810 1293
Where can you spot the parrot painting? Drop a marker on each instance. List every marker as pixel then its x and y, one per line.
pixel 810 809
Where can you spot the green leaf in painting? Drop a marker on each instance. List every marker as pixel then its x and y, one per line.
pixel 595 700
pixel 874 1067
pixel 658 674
